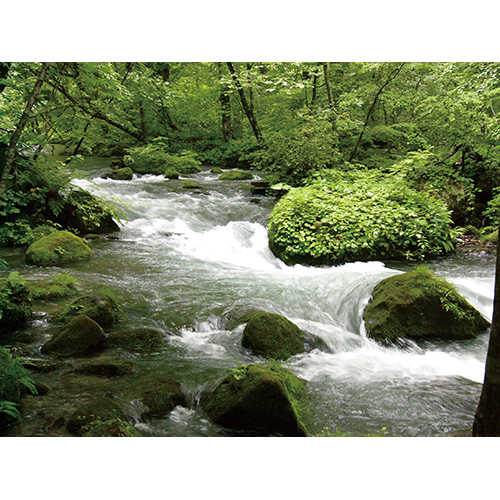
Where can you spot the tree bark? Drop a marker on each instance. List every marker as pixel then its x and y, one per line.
pixel 326 75
pixel 225 106
pixel 246 107
pixel 21 125
pixel 487 418
pixel 389 79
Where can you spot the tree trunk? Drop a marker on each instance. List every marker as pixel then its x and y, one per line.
pixel 326 75
pixel 143 122
pixel 246 107
pixel 389 79
pixel 20 127
pixel 487 419
pixel 225 106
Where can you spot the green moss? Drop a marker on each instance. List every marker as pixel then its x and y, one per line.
pixel 216 170
pixel 101 308
pixel 122 174
pixel 419 305
pixel 61 286
pixel 272 336
pixel 103 409
pixel 135 338
pixel 264 399
pixel 171 173
pixel 163 396
pixel 15 303
pixel 79 337
pixel 236 175
pixel 56 249
pixel 190 185
pixel 491 237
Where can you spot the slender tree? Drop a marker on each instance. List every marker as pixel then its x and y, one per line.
pixel 21 125
pixel 392 75
pixel 246 106
pixel 225 106
pixel 487 419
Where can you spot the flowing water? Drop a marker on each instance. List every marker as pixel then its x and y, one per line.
pixel 185 261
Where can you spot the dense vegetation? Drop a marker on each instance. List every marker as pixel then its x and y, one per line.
pixel 435 125
pixel 374 161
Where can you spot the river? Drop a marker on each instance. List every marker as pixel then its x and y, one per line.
pixel 184 260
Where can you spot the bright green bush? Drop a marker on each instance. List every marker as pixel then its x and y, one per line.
pixel 154 158
pixel 15 306
pixel 13 376
pixel 358 216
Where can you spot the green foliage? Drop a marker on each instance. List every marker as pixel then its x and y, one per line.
pixel 111 427
pixel 492 212
pixel 358 215
pixel 171 173
pixel 239 153
pixel 154 158
pixel 15 305
pixel 13 377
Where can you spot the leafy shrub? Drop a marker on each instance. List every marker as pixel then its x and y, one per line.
pixel 384 136
pixel 423 172
pixel 13 376
pixel 154 158
pixel 358 216
pixel 15 306
pixel 492 212
pixel 241 153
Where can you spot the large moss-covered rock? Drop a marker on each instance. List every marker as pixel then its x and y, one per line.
pixel 274 336
pixel 135 338
pixel 103 309
pixel 60 247
pixel 262 399
pixel 102 409
pixel 419 305
pixel 121 174
pixel 163 396
pixel 85 213
pixel 79 337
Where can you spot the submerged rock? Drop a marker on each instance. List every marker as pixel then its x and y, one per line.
pixel 105 367
pixel 262 399
pixel 103 309
pixel 274 336
pixel 163 396
pixel 79 337
pixel 419 305
pixel 103 410
pixel 135 338
pixel 60 247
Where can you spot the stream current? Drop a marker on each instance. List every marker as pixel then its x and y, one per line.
pixel 184 261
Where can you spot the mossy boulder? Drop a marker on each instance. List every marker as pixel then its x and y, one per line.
pixel 85 213
pixel 191 185
pixel 274 336
pixel 419 305
pixel 163 396
pixel 121 174
pixel 105 367
pixel 135 338
pixel 216 170
pixel 61 286
pixel 102 409
pixel 80 337
pixel 171 173
pixel 238 315
pixel 103 309
pixel 236 175
pixel 60 247
pixel 261 399
pixel 15 303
